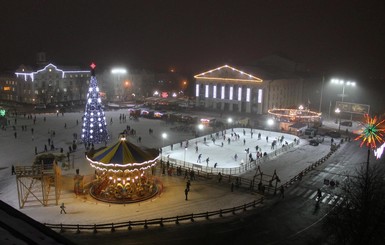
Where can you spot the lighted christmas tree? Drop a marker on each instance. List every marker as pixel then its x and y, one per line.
pixel 94 129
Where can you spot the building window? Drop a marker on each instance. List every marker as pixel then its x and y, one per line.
pixel 231 93
pixel 239 93
pixel 197 90
pixel 248 95
pixel 215 91
pixel 207 91
pixel 223 92
pixel 259 96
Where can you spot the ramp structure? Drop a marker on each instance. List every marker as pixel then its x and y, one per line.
pixel 36 182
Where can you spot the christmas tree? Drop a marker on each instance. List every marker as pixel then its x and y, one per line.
pixel 94 129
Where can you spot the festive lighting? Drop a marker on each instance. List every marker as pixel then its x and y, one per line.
pixel 245 76
pixel 47 67
pixel 94 132
pixel 373 132
pixel 294 113
pixel 378 152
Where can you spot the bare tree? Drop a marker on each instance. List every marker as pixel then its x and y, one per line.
pixel 360 218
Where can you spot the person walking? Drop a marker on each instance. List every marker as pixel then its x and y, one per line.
pixel 188 184
pixel 186 193
pixel 319 195
pixel 62 209
pixel 232 186
pixel 13 170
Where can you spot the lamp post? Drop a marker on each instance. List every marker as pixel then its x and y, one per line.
pixel 343 83
pixel 338 111
pixel 118 71
pixel 229 121
pixel 164 136
pixel 184 157
pixel 200 127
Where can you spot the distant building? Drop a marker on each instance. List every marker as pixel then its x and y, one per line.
pixel 9 88
pixel 274 82
pixel 52 84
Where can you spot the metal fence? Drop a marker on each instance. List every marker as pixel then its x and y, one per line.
pixel 243 168
pixel 155 222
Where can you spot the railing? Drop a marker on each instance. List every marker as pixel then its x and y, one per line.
pixel 230 171
pixel 154 222
pixel 311 167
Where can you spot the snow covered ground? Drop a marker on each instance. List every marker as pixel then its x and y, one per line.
pixel 20 150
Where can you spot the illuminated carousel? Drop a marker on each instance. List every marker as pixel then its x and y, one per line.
pixel 123 173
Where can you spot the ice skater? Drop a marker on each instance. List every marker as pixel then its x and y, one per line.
pixel 199 158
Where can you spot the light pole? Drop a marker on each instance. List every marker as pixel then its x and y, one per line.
pixel 229 121
pixel 184 157
pixel 118 71
pixel 200 127
pixel 343 83
pixel 338 111
pixel 164 136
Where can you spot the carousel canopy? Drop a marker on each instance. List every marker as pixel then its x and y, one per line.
pixel 122 153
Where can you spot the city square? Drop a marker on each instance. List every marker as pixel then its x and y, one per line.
pixel 188 122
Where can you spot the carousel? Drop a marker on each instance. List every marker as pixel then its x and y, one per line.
pixel 123 173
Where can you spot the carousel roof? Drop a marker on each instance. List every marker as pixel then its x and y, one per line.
pixel 122 153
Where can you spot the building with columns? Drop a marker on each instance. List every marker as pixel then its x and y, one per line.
pixel 248 90
pixel 228 89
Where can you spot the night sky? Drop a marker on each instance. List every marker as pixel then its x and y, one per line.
pixel 342 37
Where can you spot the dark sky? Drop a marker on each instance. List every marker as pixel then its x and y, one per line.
pixel 345 37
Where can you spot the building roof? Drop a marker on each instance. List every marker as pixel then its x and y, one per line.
pixel 18 228
pixel 228 73
pixel 122 152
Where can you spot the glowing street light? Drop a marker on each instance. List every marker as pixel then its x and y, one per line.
pixel 229 121
pixel 338 111
pixel 270 122
pixel 343 83
pixel 164 136
pixel 184 157
pixel 300 107
pixel 118 72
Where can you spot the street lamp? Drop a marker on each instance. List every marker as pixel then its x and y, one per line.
pixel 229 121
pixel 343 83
pixel 184 157
pixel 164 136
pixel 118 71
pixel 200 127
pixel 338 111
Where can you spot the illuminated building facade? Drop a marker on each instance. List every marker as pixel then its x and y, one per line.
pixel 52 84
pixel 228 89
pixel 251 89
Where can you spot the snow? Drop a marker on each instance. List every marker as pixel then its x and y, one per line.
pixel 20 151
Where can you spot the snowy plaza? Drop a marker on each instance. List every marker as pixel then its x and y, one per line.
pixel 19 150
